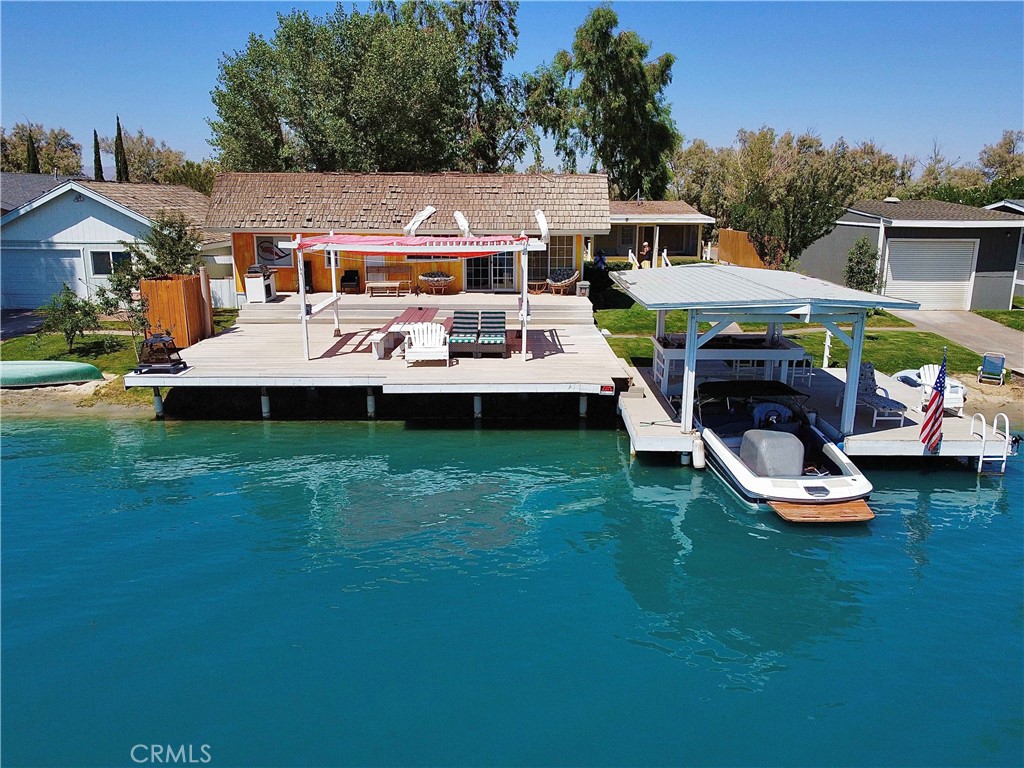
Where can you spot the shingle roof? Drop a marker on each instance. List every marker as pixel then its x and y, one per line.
pixel 16 189
pixel 930 210
pixel 385 202
pixel 150 199
pixel 655 211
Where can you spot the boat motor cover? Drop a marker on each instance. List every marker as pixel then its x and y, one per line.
pixel 772 454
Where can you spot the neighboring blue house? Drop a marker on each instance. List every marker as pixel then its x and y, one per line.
pixel 72 233
pixel 16 189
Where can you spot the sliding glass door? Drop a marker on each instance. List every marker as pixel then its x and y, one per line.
pixel 491 273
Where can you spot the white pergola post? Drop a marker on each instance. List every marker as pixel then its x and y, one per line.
pixel 700 241
pixel 335 256
pixel 690 374
pixel 656 261
pixel 524 300
pixel 299 263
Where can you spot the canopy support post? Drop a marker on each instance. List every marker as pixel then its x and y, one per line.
pixel 299 265
pixel 690 373
pixel 334 289
pixel 853 376
pixel 524 300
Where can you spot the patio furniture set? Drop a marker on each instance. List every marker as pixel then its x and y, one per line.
pixel 422 339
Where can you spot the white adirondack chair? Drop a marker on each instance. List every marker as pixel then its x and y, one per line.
pixel 955 390
pixel 426 341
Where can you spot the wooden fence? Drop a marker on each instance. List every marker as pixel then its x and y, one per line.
pixel 176 304
pixel 735 247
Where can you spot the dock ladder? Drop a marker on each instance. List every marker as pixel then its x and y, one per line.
pixel 996 448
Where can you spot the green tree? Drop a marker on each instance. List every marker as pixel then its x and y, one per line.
pixel 56 151
pixel 171 247
pixel 861 270
pixel 878 174
pixel 198 176
pixel 146 159
pixel 69 315
pixel 1005 158
pixel 700 178
pixel 32 159
pixel 97 160
pixel 788 192
pixel 616 112
pixel 120 159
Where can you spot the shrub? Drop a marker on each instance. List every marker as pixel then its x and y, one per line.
pixel 862 266
pixel 69 315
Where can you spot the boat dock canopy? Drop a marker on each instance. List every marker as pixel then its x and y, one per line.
pixel 722 287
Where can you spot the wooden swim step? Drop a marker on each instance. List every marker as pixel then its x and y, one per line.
pixel 855 511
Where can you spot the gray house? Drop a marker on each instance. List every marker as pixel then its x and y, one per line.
pixel 942 255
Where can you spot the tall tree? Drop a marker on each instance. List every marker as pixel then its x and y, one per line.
pixel 97 160
pixel 32 159
pixel 56 151
pixel 878 174
pixel 198 176
pixel 700 178
pixel 788 191
pixel 120 160
pixel 146 160
pixel 616 112
pixel 1005 158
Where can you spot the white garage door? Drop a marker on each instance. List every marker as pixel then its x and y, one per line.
pixel 936 273
pixel 29 278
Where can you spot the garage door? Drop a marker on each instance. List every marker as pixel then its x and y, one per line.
pixel 29 278
pixel 936 273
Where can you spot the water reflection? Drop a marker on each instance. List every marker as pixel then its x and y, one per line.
pixel 737 604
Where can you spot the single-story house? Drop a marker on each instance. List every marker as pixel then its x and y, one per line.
pixel 941 255
pixel 16 189
pixel 670 225
pixel 260 211
pixel 1013 206
pixel 72 234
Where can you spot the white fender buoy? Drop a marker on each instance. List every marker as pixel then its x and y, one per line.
pixel 698 454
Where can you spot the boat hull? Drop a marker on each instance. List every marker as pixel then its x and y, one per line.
pixel 41 373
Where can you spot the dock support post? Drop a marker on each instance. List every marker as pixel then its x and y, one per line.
pixel 583 406
pixel 158 403
pixel 371 404
pixel 264 402
pixel 478 407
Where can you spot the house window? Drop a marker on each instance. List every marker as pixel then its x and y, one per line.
pixel 561 254
pixel 626 235
pixel 103 262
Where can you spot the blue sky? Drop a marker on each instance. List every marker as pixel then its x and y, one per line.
pixel 901 74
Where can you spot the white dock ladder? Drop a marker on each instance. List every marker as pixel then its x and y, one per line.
pixel 995 450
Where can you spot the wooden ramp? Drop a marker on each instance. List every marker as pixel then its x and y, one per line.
pixel 843 512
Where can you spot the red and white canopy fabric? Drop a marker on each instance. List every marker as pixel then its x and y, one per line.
pixel 454 247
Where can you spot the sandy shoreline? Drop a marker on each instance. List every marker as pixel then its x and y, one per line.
pixel 67 401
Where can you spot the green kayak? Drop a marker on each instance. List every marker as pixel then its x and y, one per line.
pixel 37 373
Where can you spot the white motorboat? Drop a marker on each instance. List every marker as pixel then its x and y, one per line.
pixel 758 437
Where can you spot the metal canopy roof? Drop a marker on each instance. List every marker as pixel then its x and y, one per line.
pixel 742 290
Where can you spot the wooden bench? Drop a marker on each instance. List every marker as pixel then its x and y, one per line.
pixel 388 280
pixel 383 287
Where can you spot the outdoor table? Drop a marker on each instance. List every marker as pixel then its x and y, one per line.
pixel 729 348
pixel 379 338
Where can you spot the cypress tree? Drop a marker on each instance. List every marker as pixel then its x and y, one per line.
pixel 120 159
pixel 31 158
pixel 97 163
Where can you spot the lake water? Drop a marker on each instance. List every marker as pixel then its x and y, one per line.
pixel 367 594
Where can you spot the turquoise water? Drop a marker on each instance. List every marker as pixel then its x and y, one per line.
pixel 353 594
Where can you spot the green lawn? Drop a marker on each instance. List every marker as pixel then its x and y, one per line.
pixel 637 321
pixel 890 351
pixel 1011 318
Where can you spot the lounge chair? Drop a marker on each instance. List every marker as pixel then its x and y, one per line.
pixel 876 398
pixel 492 334
pixel 562 280
pixel 992 367
pixel 955 395
pixel 465 331
pixel 425 341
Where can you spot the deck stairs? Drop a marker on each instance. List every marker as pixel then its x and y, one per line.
pixel 545 311
pixel 996 444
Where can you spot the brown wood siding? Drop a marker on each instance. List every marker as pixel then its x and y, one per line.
pixel 175 304
pixel 734 247
pixel 243 253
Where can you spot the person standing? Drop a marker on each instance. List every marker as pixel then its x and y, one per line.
pixel 645 255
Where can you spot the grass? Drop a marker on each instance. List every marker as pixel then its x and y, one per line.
pixel 637 321
pixel 1011 318
pixel 890 351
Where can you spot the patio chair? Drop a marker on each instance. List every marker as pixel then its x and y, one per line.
pixel 349 281
pixel 877 398
pixel 425 341
pixel 955 395
pixel 992 367
pixel 492 334
pixel 562 280
pixel 464 333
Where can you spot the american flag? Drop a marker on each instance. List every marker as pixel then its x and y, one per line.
pixel 931 428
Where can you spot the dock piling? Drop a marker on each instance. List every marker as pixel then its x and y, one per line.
pixel 265 402
pixel 158 403
pixel 371 404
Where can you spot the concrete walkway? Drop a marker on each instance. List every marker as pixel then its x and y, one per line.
pixel 972 331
